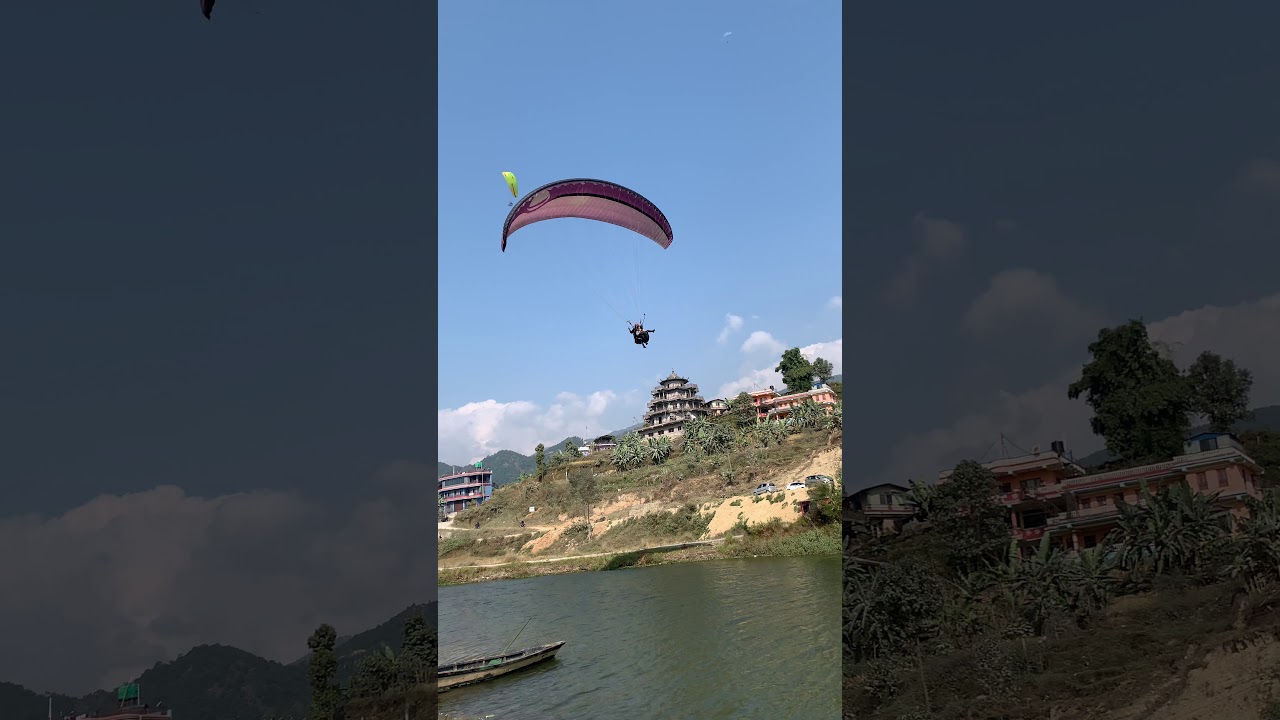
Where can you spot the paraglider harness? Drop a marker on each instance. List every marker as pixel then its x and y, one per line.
pixel 639 334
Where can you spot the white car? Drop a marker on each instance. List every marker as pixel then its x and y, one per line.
pixel 797 485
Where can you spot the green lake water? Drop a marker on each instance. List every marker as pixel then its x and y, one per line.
pixel 747 638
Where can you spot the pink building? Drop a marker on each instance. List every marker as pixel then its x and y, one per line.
pixel 772 406
pixel 1048 493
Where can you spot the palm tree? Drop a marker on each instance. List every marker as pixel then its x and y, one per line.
pixel 1174 530
pixel 1255 553
pixel 921 496
pixel 807 414
pixel 658 450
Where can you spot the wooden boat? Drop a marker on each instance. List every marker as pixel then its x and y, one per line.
pixel 465 672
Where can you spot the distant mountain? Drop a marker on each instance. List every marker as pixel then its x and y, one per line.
pixel 509 465
pixel 219 682
pixel 837 378
pixel 389 634
pixel 1264 418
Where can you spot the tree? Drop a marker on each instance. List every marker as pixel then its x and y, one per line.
pixel 1139 399
pixel 418 651
pixel 1173 530
pixel 1219 390
pixel 1264 446
pixel 743 411
pixel 797 373
pixel 825 504
pixel 922 496
pixel 822 369
pixel 888 607
pixel 631 452
pixel 375 675
pixel 571 450
pixel 966 513
pixel 540 460
pixel 582 484
pixel 808 414
pixel 322 672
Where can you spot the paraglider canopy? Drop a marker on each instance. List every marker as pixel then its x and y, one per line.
pixel 511 182
pixel 590 200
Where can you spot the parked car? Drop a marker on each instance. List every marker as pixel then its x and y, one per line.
pixel 819 480
pixel 764 488
pixel 797 485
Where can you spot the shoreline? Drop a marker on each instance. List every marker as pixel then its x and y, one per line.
pixel 669 554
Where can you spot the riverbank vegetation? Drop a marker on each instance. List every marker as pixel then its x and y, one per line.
pixel 951 616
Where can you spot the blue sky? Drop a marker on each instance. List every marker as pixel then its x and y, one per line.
pixel 738 142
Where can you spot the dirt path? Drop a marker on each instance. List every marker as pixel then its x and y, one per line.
pixel 1232 682
pixel 655 548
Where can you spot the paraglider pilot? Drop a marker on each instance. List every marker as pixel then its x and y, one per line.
pixel 640 335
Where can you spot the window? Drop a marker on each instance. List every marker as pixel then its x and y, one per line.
pixel 1102 500
pixel 1119 498
pixel 1090 541
pixel 1085 502
pixel 1202 480
pixel 1222 477
pixel 1208 444
pixel 1033 519
pixel 886 499
pixel 1005 488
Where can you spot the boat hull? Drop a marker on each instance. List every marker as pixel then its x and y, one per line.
pixel 479 670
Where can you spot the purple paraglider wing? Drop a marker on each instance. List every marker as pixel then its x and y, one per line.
pixel 590 200
pixel 206 8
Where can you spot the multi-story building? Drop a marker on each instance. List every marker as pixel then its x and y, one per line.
pixel 772 406
pixel 674 402
pixel 460 491
pixel 716 407
pixel 603 444
pixel 1048 493
pixel 879 509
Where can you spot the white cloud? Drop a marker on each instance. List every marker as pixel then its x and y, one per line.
pixel 761 341
pixel 835 303
pixel 477 429
pixel 1022 301
pixel 256 570
pixel 832 351
pixel 937 240
pixel 732 324
pixel 1244 333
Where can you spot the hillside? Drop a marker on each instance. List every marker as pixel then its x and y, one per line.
pixel 219 682
pixel 685 494
pixel 509 465
pixel 1264 418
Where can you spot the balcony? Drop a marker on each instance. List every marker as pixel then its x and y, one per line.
pixel 1029 534
pixel 888 510
pixel 1085 515
pixel 1176 468
pixel 461 497
pixel 1048 492
pixel 1012 497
